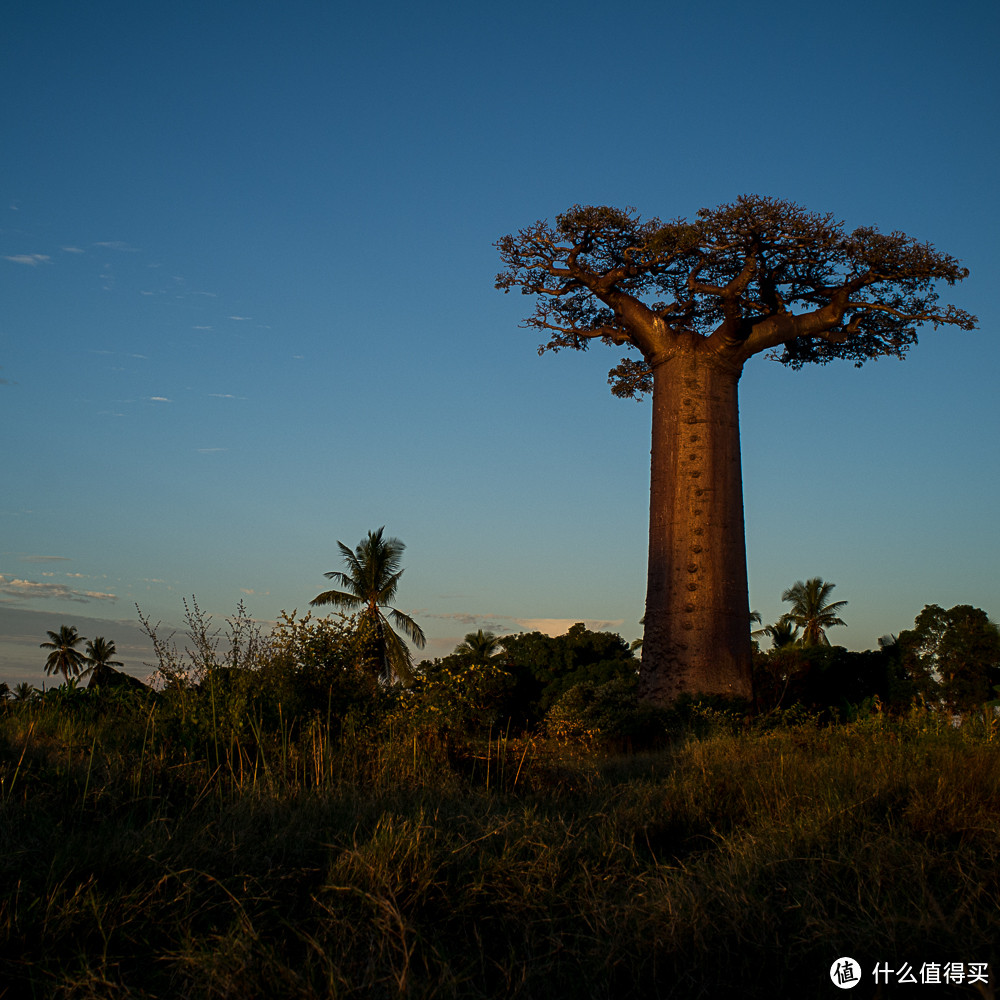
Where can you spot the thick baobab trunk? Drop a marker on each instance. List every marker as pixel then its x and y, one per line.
pixel 697 628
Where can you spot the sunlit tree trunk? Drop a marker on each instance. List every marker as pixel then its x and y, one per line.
pixel 697 626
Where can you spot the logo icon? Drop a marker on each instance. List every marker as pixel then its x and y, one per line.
pixel 845 973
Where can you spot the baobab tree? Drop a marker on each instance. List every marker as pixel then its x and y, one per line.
pixel 696 300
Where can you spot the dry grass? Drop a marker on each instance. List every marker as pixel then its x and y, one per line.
pixel 380 865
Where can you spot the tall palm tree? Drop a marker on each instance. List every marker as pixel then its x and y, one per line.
pixel 65 658
pixel 370 584
pixel 812 610
pixel 479 646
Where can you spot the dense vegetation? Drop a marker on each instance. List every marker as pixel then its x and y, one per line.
pixel 275 821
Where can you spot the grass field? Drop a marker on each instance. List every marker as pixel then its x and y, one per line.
pixel 732 861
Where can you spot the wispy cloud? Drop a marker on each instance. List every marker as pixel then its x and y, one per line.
pixel 224 395
pixel 44 559
pixel 31 259
pixel 241 319
pixel 117 245
pixel 159 399
pixel 32 590
pixel 550 626
pixel 201 328
pixel 72 250
pixel 209 451
pixel 472 620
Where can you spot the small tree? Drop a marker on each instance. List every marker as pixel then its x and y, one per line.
pixel 696 300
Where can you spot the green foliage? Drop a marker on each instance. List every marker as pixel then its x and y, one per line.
pixel 950 655
pixel 459 697
pixel 608 713
pixel 758 274
pixel 547 666
pixel 371 581
pixel 820 678
pixel 320 666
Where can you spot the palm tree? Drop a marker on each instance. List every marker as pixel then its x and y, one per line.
pixel 480 646
pixel 99 653
pixel 24 692
pixel 784 632
pixel 812 610
pixel 65 658
pixel 370 584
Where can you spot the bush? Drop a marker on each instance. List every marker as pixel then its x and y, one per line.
pixel 608 713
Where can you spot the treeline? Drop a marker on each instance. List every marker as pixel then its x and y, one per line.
pixel 949 659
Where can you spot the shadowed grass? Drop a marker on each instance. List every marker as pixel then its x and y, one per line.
pixel 369 866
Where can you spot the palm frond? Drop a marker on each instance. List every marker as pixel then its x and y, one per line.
pixel 407 625
pixel 398 656
pixel 339 598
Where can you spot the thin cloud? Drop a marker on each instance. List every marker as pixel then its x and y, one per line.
pixel 159 399
pixel 241 319
pixel 31 259
pixel 72 250
pixel 549 626
pixel 42 559
pixel 201 328
pixel 470 619
pixel 117 245
pixel 32 590
pixel 560 626
pixel 209 451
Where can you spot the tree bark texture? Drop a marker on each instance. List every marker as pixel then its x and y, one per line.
pixel 697 631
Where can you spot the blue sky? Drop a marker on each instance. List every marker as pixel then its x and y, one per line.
pixel 246 274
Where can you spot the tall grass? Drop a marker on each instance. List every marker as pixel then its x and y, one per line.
pixel 350 860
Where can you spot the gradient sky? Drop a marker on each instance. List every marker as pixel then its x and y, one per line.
pixel 247 304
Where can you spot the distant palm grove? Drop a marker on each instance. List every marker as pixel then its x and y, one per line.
pixel 307 812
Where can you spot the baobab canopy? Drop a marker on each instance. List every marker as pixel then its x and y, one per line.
pixel 693 301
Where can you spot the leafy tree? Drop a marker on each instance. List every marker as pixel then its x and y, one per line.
pixel 820 677
pixel 371 581
pixel 812 610
pixel 696 300
pixel 65 658
pixel 952 655
pixel 479 646
pixel 546 666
